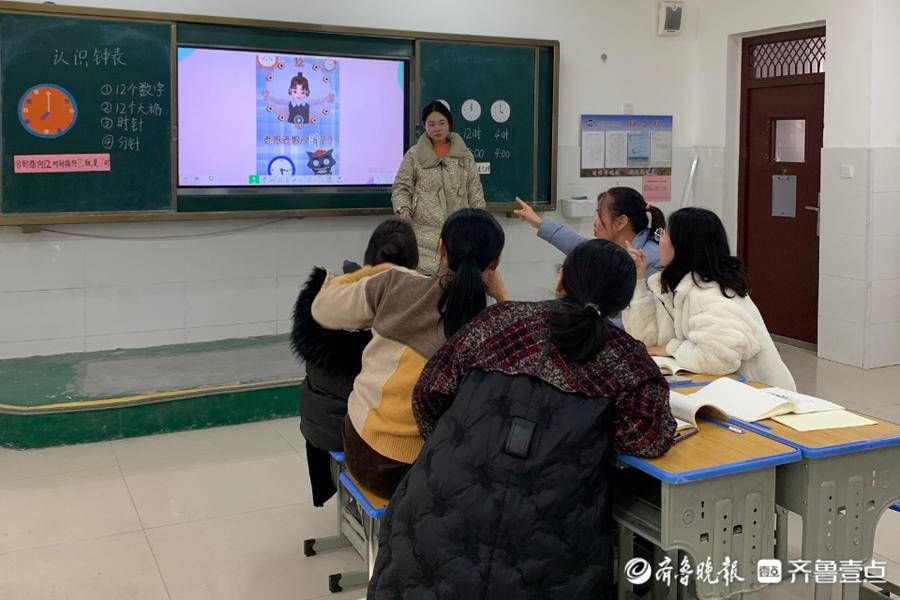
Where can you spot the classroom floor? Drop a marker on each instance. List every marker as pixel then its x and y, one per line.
pixel 220 513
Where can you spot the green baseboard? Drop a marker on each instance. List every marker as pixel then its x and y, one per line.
pixel 40 430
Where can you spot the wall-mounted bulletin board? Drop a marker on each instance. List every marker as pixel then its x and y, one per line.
pixel 629 146
pixel 123 116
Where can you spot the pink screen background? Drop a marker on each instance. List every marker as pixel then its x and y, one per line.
pixel 217 99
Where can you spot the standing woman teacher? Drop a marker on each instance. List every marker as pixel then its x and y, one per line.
pixel 437 177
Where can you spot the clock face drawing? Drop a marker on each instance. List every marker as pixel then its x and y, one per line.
pixel 282 166
pixel 47 111
pixel 330 64
pixel 471 110
pixel 500 111
pixel 266 61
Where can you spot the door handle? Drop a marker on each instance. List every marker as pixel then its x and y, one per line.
pixel 812 208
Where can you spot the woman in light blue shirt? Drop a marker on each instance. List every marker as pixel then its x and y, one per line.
pixel 623 217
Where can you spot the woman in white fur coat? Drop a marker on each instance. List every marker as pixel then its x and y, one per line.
pixel 698 309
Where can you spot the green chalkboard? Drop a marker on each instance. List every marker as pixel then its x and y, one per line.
pixel 86 115
pixel 491 90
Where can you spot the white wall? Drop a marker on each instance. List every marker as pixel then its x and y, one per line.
pixel 60 293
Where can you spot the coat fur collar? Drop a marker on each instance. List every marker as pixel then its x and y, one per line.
pixel 427 157
pixel 337 352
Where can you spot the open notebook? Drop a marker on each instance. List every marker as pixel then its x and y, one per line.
pixel 726 397
pixel 668 366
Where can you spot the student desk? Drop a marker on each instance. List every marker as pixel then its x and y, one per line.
pixel 844 482
pixel 711 496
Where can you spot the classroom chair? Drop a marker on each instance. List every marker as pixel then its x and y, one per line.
pixel 359 518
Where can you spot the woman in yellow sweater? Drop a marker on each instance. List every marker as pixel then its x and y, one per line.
pixel 410 315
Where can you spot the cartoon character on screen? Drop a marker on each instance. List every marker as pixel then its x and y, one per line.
pixel 321 161
pixel 298 102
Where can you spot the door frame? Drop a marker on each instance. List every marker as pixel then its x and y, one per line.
pixel 747 84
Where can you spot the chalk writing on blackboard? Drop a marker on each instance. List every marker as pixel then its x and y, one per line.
pixel 84 57
pixel 128 114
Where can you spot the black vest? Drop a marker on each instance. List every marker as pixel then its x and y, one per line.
pixel 509 498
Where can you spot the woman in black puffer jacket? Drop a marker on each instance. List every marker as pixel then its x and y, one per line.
pixel 333 358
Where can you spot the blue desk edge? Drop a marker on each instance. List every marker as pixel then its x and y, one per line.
pixel 823 452
pixel 702 474
pixel 375 513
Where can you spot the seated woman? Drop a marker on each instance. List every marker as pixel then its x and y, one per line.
pixel 522 411
pixel 623 217
pixel 333 358
pixel 698 309
pixel 411 315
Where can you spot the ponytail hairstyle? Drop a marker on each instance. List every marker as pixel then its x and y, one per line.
pixel 629 202
pixel 700 244
pixel 598 279
pixel 394 242
pixel 473 240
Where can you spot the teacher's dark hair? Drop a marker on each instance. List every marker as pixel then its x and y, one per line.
pixel 438 107
pixel 598 279
pixel 701 248
pixel 473 241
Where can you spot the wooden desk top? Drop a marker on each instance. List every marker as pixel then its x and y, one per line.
pixel 883 433
pixel 714 451
pixel 716 446
pixel 882 430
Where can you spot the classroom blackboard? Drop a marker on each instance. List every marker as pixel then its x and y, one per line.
pixel 87 131
pixel 493 93
pixel 86 107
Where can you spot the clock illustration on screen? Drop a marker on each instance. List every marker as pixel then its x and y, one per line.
pixel 266 61
pixel 282 166
pixel 47 110
pixel 330 64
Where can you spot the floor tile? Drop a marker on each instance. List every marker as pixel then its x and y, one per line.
pixel 108 568
pixel 199 448
pixel 254 555
pixel 62 508
pixel 22 464
pixel 184 494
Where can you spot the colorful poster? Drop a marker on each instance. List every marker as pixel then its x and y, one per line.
pixel 634 145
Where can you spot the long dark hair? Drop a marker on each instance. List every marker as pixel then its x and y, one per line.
pixel 473 240
pixel 395 242
pixel 701 248
pixel 629 202
pixel 438 107
pixel 598 279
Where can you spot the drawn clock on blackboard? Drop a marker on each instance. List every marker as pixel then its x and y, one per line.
pixel 47 110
